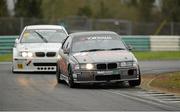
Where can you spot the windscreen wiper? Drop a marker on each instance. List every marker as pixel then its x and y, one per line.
pixel 117 49
pixel 91 50
pixel 44 39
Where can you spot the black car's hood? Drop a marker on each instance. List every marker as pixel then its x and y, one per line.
pixel 103 56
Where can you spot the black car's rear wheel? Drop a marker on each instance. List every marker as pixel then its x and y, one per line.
pixel 134 83
pixel 70 79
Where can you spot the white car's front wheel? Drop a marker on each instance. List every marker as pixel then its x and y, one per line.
pixel 12 69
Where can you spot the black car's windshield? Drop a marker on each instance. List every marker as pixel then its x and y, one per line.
pixel 43 36
pixel 97 43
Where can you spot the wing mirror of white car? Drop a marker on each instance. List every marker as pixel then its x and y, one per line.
pixel 129 47
pixel 17 41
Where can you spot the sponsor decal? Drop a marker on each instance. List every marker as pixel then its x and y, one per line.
pixel 107 72
pixel 64 66
pixel 46 30
pixel 99 38
pixel 95 38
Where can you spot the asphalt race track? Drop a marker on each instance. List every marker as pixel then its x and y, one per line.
pixel 40 92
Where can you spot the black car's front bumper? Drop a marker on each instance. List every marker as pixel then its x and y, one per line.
pixel 100 76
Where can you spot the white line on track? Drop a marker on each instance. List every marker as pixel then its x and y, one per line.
pixel 5 63
pixel 152 102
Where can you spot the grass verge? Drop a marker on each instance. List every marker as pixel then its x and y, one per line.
pixel 168 82
pixel 6 57
pixel 148 56
pixel 161 55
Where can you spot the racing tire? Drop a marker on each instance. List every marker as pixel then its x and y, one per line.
pixel 134 83
pixel 71 83
pixel 58 72
pixel 12 69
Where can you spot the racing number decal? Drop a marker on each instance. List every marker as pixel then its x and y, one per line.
pixel 20 66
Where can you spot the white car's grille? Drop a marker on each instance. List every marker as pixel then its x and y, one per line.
pixel 51 54
pixel 48 54
pixel 40 54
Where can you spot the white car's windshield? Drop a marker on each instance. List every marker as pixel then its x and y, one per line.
pixel 97 43
pixel 43 36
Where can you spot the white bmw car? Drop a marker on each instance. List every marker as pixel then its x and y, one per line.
pixel 36 48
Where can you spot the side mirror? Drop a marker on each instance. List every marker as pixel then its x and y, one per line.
pixel 17 41
pixel 66 51
pixel 129 47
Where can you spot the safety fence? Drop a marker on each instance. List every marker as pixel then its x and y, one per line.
pixel 14 26
pixel 6 44
pixel 153 43
pixel 139 43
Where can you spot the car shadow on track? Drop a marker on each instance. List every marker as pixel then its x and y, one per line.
pixel 35 73
pixel 107 86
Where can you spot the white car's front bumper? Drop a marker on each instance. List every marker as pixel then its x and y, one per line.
pixel 34 64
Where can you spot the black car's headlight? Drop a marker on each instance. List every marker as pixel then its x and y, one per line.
pixel 87 66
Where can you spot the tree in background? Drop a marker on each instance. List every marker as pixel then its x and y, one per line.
pixel 171 10
pixel 85 11
pixel 132 2
pixel 53 9
pixel 103 11
pixel 144 8
pixel 3 8
pixel 60 9
pixel 28 8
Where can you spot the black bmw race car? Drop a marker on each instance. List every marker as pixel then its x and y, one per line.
pixel 96 57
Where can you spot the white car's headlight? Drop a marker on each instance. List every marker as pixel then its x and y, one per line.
pixel 89 66
pixel 58 56
pixel 24 54
pixel 27 54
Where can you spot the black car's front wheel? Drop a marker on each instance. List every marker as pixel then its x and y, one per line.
pixel 70 79
pixel 58 72
pixel 134 83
